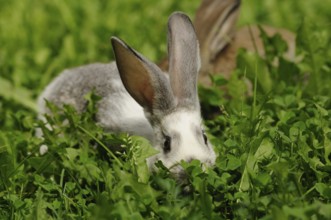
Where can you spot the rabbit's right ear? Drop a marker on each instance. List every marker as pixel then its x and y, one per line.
pixel 143 80
pixel 184 59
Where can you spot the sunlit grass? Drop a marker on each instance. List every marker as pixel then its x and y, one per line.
pixel 274 148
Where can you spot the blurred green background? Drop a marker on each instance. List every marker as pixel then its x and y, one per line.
pixel 40 38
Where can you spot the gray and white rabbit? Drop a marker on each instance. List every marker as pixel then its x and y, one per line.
pixel 137 97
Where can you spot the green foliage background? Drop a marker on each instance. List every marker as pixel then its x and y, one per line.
pixel 274 148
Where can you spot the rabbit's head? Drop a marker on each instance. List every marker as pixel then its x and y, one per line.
pixel 170 100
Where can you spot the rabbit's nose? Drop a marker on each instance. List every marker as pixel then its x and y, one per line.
pixel 190 159
pixel 179 173
pixel 204 162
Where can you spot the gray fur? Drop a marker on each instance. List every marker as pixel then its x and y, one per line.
pixel 72 85
pixel 138 98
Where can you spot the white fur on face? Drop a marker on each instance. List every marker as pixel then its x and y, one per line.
pixel 187 142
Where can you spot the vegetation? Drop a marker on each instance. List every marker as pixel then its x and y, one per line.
pixel 274 147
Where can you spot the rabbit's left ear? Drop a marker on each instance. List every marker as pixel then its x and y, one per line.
pixel 143 80
pixel 184 59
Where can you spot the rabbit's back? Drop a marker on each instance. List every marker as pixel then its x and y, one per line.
pixel 72 84
pixel 117 110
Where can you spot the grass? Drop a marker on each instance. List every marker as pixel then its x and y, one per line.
pixel 274 148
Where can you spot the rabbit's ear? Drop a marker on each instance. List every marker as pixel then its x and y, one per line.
pixel 184 59
pixel 144 81
pixel 215 25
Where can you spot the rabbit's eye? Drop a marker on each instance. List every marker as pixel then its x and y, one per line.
pixel 167 144
pixel 205 137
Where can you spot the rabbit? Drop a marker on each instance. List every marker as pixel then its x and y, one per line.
pixel 138 98
pixel 215 25
pixel 215 22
